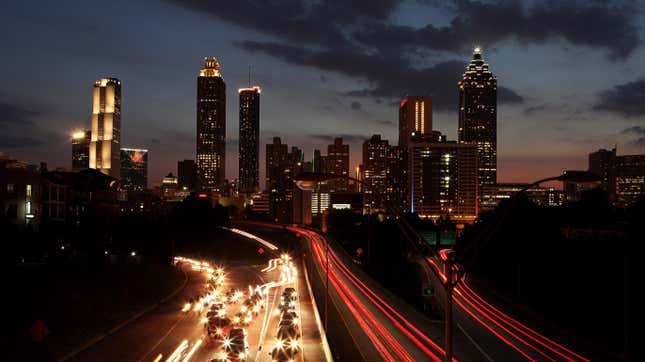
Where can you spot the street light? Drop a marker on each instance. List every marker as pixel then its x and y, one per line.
pixel 308 180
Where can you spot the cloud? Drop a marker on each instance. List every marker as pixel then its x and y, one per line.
pixel 355 105
pixel 384 122
pixel 626 99
pixel 14 141
pixel 385 83
pixel 15 114
pixel 356 38
pixel 347 138
pixel 487 23
pixel 639 131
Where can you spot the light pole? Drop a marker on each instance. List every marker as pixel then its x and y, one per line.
pixel 308 180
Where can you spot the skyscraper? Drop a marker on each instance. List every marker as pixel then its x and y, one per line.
pixel 106 127
pixel 443 179
pixel 375 162
pixel 186 175
pixel 134 169
pixel 81 149
pixel 276 155
pixel 249 145
pixel 337 163
pixel 396 189
pixel 602 163
pixel 478 117
pixel 415 118
pixel 211 127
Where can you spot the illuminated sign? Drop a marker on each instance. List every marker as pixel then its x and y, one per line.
pixel 341 206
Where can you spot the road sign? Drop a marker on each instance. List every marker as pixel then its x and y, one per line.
pixel 261 251
pixel 359 251
pixel 428 291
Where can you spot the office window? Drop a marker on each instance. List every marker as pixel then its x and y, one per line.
pixel 28 191
pixel 10 188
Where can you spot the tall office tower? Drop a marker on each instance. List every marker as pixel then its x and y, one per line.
pixel 279 173
pixel 396 189
pixel 478 117
pixel 106 127
pixel 601 163
pixel 415 118
pixel 375 162
pixel 338 163
pixel 134 169
pixel 211 127
pixel 81 149
pixel 186 175
pixel 443 180
pixel 249 145
pixel 276 155
pixel 318 162
pixel 629 174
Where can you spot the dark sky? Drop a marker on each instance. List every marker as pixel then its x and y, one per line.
pixel 570 73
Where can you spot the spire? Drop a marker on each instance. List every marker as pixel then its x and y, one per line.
pixel 477 53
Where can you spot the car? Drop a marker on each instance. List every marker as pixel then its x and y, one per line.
pixel 287 333
pixel 280 354
pixel 217 328
pixel 242 319
pixel 289 315
pixel 290 292
pixel 236 345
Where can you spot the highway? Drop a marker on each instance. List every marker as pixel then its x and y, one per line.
pixel 383 327
pixel 380 325
pixel 498 336
pixel 249 295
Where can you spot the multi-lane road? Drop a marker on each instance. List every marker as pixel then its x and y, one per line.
pixel 364 321
pixel 383 327
pixel 176 329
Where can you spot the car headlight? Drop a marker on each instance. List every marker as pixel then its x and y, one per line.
pixel 241 355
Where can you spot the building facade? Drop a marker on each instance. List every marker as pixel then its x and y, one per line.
pixel 443 180
pixel 543 196
pixel 105 141
pixel 415 117
pixel 81 150
pixel 629 171
pixel 478 117
pixel 211 127
pixel 134 169
pixel 396 181
pixel 249 144
pixel 374 171
pixel 337 163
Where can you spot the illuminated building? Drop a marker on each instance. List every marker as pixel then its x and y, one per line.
pixel 249 144
pixel 318 162
pixel 81 150
pixel 170 189
pixel 276 155
pixel 543 196
pixel 629 172
pixel 320 197
pixel 259 203
pixel 623 177
pixel 186 175
pixel 106 127
pixel 478 117
pixel 134 169
pixel 415 118
pixel 280 168
pixel 375 162
pixel 211 127
pixel 337 163
pixel 20 199
pixel 396 181
pixel 443 180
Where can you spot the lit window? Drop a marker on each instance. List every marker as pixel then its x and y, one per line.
pixel 28 191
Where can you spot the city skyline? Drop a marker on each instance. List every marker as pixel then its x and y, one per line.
pixel 553 107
